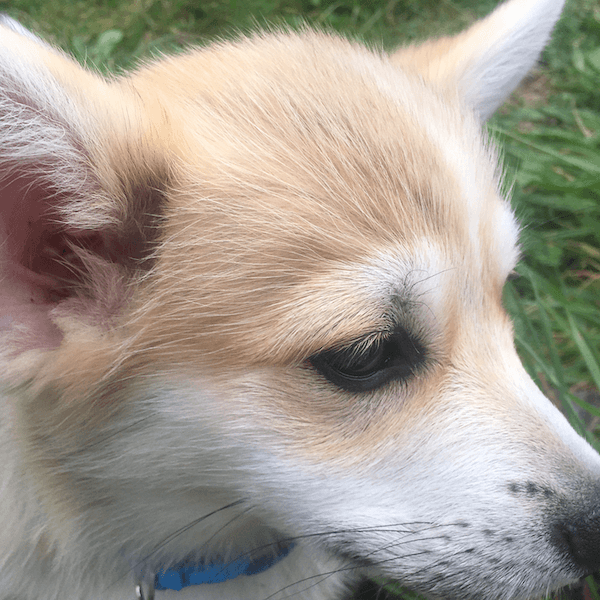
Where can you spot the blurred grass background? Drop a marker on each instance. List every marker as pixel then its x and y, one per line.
pixel 550 132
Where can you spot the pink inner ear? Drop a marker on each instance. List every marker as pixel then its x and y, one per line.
pixel 38 266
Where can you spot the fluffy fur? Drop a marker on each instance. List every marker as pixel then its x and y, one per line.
pixel 186 254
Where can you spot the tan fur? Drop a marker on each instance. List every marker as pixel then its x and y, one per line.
pixel 182 245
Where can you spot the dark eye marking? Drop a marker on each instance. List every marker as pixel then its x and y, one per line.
pixel 370 363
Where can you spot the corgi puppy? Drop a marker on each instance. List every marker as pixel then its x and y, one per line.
pixel 253 344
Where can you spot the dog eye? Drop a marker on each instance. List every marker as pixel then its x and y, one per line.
pixel 365 366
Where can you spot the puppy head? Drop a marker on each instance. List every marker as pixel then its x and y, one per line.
pixel 271 270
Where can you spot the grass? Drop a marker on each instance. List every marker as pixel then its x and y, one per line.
pixel 550 132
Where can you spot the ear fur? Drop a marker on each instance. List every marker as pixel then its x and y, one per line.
pixel 15 26
pixel 487 61
pixel 69 213
pixel 84 163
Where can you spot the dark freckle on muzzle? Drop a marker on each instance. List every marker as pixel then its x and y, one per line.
pixel 531 489
pixel 574 520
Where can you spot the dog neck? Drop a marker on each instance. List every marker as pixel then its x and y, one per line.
pixel 199 572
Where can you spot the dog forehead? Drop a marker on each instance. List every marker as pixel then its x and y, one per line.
pixel 309 127
pixel 292 179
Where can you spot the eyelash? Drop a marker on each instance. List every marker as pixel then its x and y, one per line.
pixel 367 365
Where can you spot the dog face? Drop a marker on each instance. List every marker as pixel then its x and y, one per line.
pixel 251 305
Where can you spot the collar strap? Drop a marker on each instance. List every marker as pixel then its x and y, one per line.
pixel 189 572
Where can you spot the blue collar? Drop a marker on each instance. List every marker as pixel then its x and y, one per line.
pixel 190 572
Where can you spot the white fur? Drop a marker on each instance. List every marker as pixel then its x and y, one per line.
pixel 454 481
pixel 520 30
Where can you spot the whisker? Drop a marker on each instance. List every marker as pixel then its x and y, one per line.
pixel 189 526
pixel 323 576
pixel 137 565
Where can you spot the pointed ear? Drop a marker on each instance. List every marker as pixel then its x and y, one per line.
pixel 15 26
pixel 76 200
pixel 487 61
